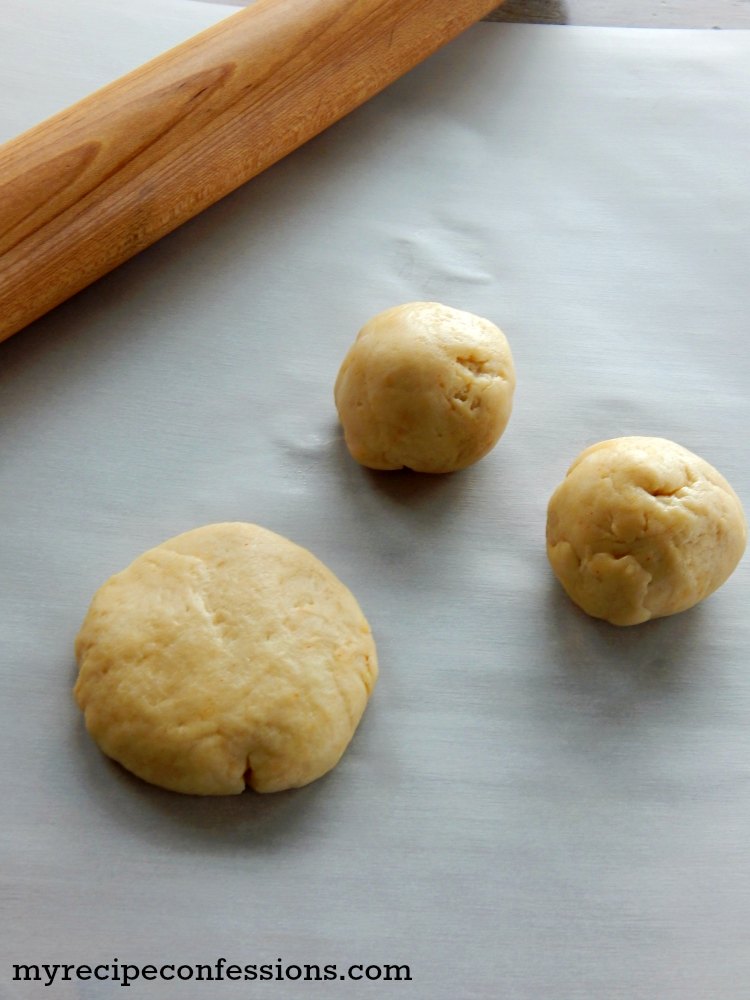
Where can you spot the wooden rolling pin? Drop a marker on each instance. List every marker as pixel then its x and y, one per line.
pixel 96 183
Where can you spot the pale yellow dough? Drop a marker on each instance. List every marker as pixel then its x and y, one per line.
pixel 225 656
pixel 641 528
pixel 425 387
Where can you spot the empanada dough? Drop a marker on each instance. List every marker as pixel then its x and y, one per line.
pixel 225 656
pixel 641 528
pixel 425 387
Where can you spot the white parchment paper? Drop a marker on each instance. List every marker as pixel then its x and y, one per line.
pixel 536 805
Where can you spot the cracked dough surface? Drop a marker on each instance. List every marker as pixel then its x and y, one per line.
pixel 225 650
pixel 641 528
pixel 426 387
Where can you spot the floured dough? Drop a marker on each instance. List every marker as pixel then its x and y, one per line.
pixel 226 656
pixel 425 386
pixel 641 528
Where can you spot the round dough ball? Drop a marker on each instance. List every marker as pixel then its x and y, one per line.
pixel 641 528
pixel 425 386
pixel 225 657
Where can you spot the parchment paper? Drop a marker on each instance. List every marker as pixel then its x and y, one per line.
pixel 536 805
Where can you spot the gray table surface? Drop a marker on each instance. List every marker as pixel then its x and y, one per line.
pixel 621 13
pixel 629 13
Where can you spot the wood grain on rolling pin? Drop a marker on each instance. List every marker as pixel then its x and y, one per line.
pixel 90 187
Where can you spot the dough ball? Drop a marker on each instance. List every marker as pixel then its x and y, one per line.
pixel 225 657
pixel 641 528
pixel 425 386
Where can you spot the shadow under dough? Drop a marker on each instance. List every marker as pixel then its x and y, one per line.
pixel 219 824
pixel 620 667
